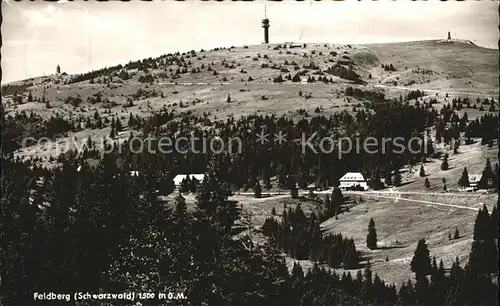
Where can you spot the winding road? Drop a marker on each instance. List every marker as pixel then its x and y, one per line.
pixel 386 195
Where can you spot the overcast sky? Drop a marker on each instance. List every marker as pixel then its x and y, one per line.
pixel 82 36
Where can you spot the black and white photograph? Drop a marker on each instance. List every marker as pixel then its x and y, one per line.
pixel 249 153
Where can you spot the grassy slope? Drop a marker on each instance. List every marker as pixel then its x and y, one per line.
pixel 450 63
pixel 459 66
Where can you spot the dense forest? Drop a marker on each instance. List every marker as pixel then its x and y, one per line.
pixel 321 162
pixel 64 231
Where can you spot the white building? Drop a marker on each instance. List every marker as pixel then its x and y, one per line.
pixel 474 179
pixel 352 179
pixel 180 177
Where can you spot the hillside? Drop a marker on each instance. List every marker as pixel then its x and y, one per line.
pixel 292 79
pixel 431 89
pixel 247 74
pixel 445 66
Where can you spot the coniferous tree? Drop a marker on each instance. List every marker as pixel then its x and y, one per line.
pixel 483 255
pixel 326 202
pixel 267 185
pixel 430 147
pixel 371 238
pixel 427 184
pixel 422 171
pixel 118 125
pixel 367 289
pixel 494 222
pixel 112 133
pixel 336 200
pixel 294 192
pixel 444 164
pixel 495 177
pixel 464 179
pixel 375 182
pixel 420 263
pixel 396 178
pixel 257 190
pixel 185 185
pixel 487 176
pixel 387 180
pixel 212 197
pixel 180 208
pixel 193 184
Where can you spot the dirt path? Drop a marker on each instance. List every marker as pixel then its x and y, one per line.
pixel 396 75
pixel 415 201
pixel 282 195
pixel 433 90
pixel 427 193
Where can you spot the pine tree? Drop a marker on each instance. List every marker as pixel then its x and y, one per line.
pixel 371 238
pixel 456 235
pixel 430 147
pixel 193 186
pixel 464 179
pixel 482 258
pixel 396 178
pixel 349 261
pixel 487 176
pixel 444 164
pixel 495 177
pixel 367 288
pixel 387 180
pixel 421 263
pixel 422 171
pixel 180 207
pixel 90 143
pixel 297 275
pixel 336 200
pixel 375 182
pixel 294 192
pixel 212 198
pixel 257 190
pixel 481 225
pixel 494 222
pixel 185 185
pixel 118 125
pixel 112 133
pixel 326 202
pixel 267 184
pixel 427 184
pixel 130 121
